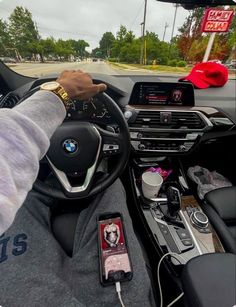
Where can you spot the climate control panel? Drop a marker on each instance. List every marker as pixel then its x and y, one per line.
pixel 163 142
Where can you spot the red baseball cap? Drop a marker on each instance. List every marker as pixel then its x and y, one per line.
pixel 204 75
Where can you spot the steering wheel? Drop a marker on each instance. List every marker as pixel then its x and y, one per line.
pixel 78 147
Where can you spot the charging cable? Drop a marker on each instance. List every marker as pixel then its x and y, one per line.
pixel 118 290
pixel 174 255
pixel 177 257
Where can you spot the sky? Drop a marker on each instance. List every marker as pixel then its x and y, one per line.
pixel 89 19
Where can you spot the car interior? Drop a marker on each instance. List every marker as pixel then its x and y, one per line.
pixel 127 131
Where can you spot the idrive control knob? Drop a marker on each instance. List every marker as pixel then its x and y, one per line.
pixel 199 219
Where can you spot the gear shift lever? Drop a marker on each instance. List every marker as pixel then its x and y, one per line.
pixel 173 201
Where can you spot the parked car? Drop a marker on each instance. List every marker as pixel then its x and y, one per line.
pixel 8 60
pixel 232 64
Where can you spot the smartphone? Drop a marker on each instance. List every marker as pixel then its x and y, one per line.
pixel 115 264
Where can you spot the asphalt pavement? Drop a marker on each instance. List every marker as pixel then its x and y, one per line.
pixel 41 69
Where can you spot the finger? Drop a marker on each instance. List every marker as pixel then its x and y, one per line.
pixel 89 92
pixel 88 75
pixel 101 87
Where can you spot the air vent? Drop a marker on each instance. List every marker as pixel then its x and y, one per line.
pixel 9 101
pixel 175 120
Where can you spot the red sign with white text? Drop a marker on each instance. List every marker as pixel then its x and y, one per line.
pixel 216 20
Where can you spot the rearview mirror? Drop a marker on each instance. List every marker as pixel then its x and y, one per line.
pixel 195 3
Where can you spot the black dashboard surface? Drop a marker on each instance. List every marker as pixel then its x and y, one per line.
pixel 120 88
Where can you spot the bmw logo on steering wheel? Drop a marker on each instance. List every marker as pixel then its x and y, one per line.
pixel 70 146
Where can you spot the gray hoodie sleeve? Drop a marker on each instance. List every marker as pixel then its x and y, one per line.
pixel 24 139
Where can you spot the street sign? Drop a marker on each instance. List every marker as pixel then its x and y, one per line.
pixel 217 20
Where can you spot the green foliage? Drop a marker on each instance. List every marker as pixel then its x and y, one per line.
pixel 20 36
pixel 78 47
pixel 126 48
pixel 105 44
pixel 181 64
pixel 192 44
pixel 172 63
pixel 4 38
pixel 64 49
pixel 113 60
pixel 96 53
pixel 22 30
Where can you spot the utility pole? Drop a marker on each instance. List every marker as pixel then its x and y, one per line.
pixel 141 50
pixel 164 34
pixel 173 26
pixel 143 24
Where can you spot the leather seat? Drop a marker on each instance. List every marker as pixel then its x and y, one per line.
pixel 220 207
pixel 209 281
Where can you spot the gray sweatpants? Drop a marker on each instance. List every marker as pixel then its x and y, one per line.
pixel 35 271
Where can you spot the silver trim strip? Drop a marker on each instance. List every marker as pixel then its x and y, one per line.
pixel 159 199
pixel 161 139
pixel 190 231
pixel 62 177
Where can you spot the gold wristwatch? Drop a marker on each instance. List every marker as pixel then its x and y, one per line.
pixel 57 89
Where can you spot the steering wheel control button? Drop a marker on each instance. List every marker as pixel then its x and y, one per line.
pixel 110 149
pixel 70 146
pixel 199 219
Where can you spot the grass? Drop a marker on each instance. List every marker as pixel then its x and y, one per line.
pixel 164 68
pixel 161 68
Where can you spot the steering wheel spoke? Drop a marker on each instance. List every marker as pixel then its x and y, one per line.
pixel 111 143
pixel 82 189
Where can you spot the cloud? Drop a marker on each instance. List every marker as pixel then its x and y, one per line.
pixel 80 19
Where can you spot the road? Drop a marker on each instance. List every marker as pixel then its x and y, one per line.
pixel 40 69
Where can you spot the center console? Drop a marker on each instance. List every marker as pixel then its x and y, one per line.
pixel 162 118
pixel 164 125
pixel 175 219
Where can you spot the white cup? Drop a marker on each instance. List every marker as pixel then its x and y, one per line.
pixel 151 184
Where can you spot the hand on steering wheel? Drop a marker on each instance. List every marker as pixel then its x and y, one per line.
pixel 78 147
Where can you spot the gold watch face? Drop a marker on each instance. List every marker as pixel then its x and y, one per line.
pixel 50 86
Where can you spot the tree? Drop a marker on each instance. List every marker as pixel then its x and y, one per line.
pixel 64 49
pixel 22 30
pixel 4 38
pixel 190 32
pixel 96 53
pixel 106 43
pixel 79 47
pixel 49 46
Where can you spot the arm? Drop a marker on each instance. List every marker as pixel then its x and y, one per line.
pixel 25 132
pixel 24 139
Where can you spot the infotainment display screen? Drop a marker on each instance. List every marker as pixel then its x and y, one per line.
pixel 162 93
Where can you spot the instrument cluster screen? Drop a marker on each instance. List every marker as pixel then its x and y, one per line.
pixel 162 93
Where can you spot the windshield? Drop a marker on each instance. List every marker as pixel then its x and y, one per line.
pixel 109 36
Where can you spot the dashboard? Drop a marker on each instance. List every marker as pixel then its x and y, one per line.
pixel 164 116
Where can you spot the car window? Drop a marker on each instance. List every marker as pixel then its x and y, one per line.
pixel 112 37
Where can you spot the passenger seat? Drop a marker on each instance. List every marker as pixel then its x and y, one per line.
pixel 220 207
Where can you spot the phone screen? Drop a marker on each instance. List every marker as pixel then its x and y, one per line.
pixel 114 257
